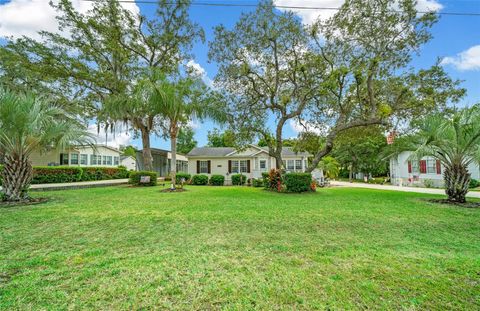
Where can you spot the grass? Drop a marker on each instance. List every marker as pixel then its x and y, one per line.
pixel 238 248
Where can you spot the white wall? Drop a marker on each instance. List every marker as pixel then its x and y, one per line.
pixel 53 157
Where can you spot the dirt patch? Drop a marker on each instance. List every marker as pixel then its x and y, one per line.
pixel 32 201
pixel 174 190
pixel 447 202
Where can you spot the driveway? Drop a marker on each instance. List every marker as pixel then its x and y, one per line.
pixel 471 194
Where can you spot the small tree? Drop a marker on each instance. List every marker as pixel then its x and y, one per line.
pixel 185 140
pixel 29 124
pixel 455 141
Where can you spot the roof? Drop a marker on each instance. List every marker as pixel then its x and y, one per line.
pixel 230 152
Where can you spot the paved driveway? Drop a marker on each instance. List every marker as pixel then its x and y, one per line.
pixel 471 194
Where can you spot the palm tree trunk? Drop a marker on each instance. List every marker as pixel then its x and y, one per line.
pixel 17 175
pixel 457 180
pixel 173 149
pixel 147 152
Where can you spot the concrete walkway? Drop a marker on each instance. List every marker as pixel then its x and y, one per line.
pixel 471 194
pixel 81 184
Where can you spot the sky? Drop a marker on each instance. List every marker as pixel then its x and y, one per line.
pixel 456 42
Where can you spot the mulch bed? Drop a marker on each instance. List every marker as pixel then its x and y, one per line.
pixel 174 190
pixel 447 202
pixel 32 201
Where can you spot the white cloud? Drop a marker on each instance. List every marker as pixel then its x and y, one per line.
pixel 300 127
pixel 111 139
pixel 194 124
pixel 309 16
pixel 466 60
pixel 27 17
pixel 200 71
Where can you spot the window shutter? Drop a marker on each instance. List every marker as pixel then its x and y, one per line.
pixel 248 166
pixel 423 167
pixel 439 168
pixel 209 166
pixel 198 167
pixel 229 166
pixel 410 167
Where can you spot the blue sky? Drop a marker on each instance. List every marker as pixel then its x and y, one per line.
pixel 456 38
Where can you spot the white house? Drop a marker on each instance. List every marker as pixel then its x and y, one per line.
pixel 97 155
pixel 162 161
pixel 129 162
pixel 252 161
pixel 427 171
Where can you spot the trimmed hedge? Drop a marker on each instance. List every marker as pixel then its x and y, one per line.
pixel 217 180
pixel 238 179
pixel 200 180
pixel 297 182
pixel 257 182
pixel 66 174
pixel 474 183
pixel 135 178
pixel 180 175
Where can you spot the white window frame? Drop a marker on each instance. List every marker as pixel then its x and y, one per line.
pixel 431 169
pixel 264 162
pixel 109 160
pixel 243 165
pixel 77 158
pixel 235 166
pixel 83 157
pixel 116 161
pixel 203 167
pixel 415 167
pixel 297 168
pixel 62 157
pixel 290 165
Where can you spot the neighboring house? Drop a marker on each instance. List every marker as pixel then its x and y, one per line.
pixel 129 162
pixel 162 161
pixel 252 161
pixel 97 155
pixel 427 171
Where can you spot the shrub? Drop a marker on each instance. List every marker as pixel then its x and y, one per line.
pixel 217 180
pixel 428 183
pixel 135 178
pixel 257 182
pixel 104 173
pixel 185 176
pixel 200 180
pixel 238 179
pixel 274 181
pixel 474 183
pixel 265 179
pixel 297 182
pixel 56 174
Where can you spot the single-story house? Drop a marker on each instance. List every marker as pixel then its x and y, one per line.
pixel 162 161
pixel 96 155
pixel 427 171
pixel 252 161
pixel 129 162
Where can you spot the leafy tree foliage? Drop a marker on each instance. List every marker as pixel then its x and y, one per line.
pixel 185 140
pixel 221 139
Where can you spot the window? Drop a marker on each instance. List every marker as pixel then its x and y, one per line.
pixel 104 162
pixel 298 165
pixel 84 159
pixel 116 161
pixel 415 167
pixel 235 167
pixel 263 164
pixel 74 159
pixel 95 160
pixel 204 167
pixel 64 158
pixel 109 160
pixel 290 165
pixel 431 166
pixel 243 166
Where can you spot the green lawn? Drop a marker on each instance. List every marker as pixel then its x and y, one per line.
pixel 238 248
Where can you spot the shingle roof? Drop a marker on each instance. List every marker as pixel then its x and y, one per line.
pixel 224 151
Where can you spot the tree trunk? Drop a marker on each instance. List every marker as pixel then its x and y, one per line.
pixel 350 173
pixel 173 149
pixel 147 152
pixel 16 175
pixel 457 180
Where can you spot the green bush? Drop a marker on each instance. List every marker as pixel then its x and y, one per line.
pixel 185 176
pixel 56 174
pixel 265 177
pixel 103 173
pixel 238 179
pixel 217 180
pixel 200 180
pixel 257 182
pixel 474 183
pixel 135 178
pixel 297 182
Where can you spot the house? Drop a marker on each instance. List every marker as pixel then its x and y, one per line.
pixel 129 162
pixel 162 161
pixel 96 155
pixel 252 161
pixel 426 172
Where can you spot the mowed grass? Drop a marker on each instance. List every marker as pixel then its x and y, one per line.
pixel 238 248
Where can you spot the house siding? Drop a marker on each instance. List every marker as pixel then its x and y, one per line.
pixel 52 157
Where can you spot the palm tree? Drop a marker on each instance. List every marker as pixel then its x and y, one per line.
pixel 29 123
pixel 179 102
pixel 455 141
pixel 330 167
